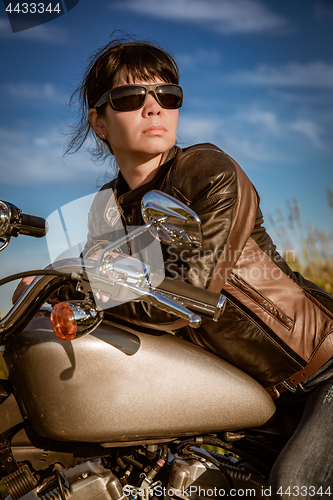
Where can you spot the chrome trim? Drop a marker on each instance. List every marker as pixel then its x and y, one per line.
pixel 4 218
pixel 23 304
pixel 171 306
pixel 220 307
pixel 4 224
pixel 5 243
pixel 36 294
pixel 181 226
pixel 202 308
pixel 127 268
pixel 122 291
pixel 116 276
pixel 125 239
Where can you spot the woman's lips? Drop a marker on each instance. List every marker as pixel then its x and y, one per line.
pixel 155 130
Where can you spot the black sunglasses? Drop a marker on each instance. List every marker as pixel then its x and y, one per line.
pixel 133 97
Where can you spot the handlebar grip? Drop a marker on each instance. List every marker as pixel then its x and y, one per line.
pixel 190 292
pixel 14 222
pixel 31 225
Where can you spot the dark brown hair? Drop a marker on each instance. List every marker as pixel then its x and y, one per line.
pixel 143 60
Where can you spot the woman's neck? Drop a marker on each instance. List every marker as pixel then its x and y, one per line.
pixel 138 172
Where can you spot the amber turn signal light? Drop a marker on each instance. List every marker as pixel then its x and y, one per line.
pixel 74 318
pixel 63 321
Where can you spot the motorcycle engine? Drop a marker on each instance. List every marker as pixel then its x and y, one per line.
pixel 201 477
pixel 87 481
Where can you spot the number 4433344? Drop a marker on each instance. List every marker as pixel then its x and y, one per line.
pixel 33 8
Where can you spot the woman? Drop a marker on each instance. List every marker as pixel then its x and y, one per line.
pixel 276 326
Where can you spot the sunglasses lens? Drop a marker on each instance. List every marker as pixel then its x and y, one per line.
pixel 169 96
pixel 128 98
pixel 132 97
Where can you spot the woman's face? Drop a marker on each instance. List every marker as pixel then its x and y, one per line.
pixel 141 134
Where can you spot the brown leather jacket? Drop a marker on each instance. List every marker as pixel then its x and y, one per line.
pixel 276 325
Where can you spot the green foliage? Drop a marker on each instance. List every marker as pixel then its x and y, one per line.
pixel 305 249
pixel 3 490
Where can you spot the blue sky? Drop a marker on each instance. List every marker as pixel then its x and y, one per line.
pixel 257 78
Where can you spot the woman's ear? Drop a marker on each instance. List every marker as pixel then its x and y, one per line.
pixel 97 123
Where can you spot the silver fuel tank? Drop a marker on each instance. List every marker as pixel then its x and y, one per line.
pixel 118 385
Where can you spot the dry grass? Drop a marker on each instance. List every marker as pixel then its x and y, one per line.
pixel 313 259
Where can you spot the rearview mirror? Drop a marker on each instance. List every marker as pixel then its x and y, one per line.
pixel 179 225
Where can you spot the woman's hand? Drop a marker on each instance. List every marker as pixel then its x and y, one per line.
pixel 21 287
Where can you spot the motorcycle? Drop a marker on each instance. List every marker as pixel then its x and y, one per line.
pixel 96 408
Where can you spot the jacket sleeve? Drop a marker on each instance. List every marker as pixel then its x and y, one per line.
pixel 217 189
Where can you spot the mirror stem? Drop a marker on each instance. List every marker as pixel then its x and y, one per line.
pixel 125 239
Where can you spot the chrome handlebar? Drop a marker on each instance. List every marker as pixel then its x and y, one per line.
pixel 121 277
pixel 122 281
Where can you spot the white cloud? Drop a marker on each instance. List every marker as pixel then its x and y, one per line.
pixel 36 158
pixel 199 57
pixel 310 130
pixel 255 136
pixel 229 16
pixel 261 118
pixel 311 75
pixel 29 91
pixel 307 97
pixel 234 134
pixel 193 129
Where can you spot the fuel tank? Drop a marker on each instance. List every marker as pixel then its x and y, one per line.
pixel 121 385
